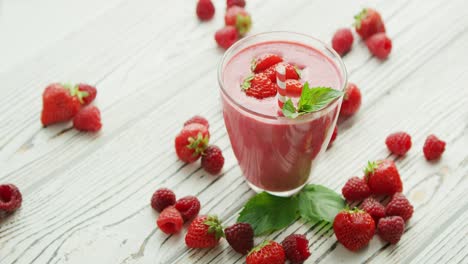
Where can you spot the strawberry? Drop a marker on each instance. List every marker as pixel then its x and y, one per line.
pixel 198 120
pixel 205 10
pixel 204 232
pixel 226 36
pixel 241 237
pixel 230 3
pixel 88 119
pixel 399 206
pixel 191 142
pixel 89 93
pixel 265 61
pixel 391 228
pixel 355 189
pixel 59 103
pixel 351 100
pixel 292 72
pixel 374 208
pixel 259 86
pixel 342 41
pixel 212 160
pixel 237 16
pixel 354 228
pixel 170 221
pixel 293 88
pixel 380 45
pixel 383 178
pixel 433 147
pixel 268 252
pixel 398 143
pixel 296 248
pixel 368 22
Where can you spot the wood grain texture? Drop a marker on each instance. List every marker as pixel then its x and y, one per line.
pixel 87 195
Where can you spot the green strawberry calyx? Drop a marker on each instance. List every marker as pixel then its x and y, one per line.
pixel 359 17
pixel 371 167
pixel 75 91
pixel 214 226
pixel 243 24
pixel 247 83
pixel 260 246
pixel 199 144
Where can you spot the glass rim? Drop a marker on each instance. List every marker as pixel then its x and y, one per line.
pixel 228 54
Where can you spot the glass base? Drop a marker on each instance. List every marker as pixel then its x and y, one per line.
pixel 281 194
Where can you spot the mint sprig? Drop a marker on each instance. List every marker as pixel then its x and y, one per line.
pixel 312 99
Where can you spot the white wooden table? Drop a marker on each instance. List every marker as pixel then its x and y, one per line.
pixel 86 196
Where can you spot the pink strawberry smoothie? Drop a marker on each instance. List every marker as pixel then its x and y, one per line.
pixel 275 153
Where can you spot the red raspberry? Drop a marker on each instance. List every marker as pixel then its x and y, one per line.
pixel 191 142
pixel 265 61
pixel 355 189
pixel 374 208
pixel 226 36
pixel 197 120
pixel 188 206
pixel 399 206
pixel 204 232
pixel 212 160
pixel 379 45
pixel 88 119
pixel 293 88
pixel 353 228
pixel 383 178
pixel 230 3
pixel 292 72
pixel 205 10
pixel 10 198
pixel 391 228
pixel 170 221
pixel 59 103
pixel 342 41
pixel 241 237
pixel 433 147
pixel 296 248
pixel 351 100
pixel 237 16
pixel 269 252
pixel 333 137
pixel 89 94
pixel 259 86
pixel 162 198
pixel 368 22
pixel 398 143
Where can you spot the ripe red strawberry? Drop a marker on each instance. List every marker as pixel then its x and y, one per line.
pixel 188 206
pixel 170 221
pixel 205 10
pixel 265 61
pixel 399 206
pixel 198 120
pixel 355 189
pixel 204 232
pixel 10 198
pixel 383 178
pixel 342 41
pixel 268 252
pixel 398 143
pixel 351 100
pixel 333 137
pixel 354 228
pixel 162 198
pixel 88 119
pixel 259 86
pixel 380 45
pixel 296 248
pixel 212 160
pixel 292 72
pixel 374 208
pixel 59 103
pixel 237 16
pixel 293 88
pixel 230 3
pixel 368 22
pixel 433 147
pixel 89 93
pixel 226 36
pixel 391 228
pixel 241 237
pixel 191 142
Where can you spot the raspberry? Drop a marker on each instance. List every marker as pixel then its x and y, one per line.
pixel 355 189
pixel 212 160
pixel 188 206
pixel 230 3
pixel 379 45
pixel 10 198
pixel 334 135
pixel 265 61
pixel 90 90
pixel 88 119
pixel 197 120
pixel 342 41
pixel 296 248
pixel 351 100
pixel 170 221
pixel 399 206
pixel 226 36
pixel 374 208
pixel 241 237
pixel 433 147
pixel 236 16
pixel 259 86
pixel 205 10
pixel 368 22
pixel 269 252
pixel 391 228
pixel 398 143
pixel 162 198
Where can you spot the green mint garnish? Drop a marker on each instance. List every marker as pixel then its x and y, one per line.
pixel 312 99
pixel 359 17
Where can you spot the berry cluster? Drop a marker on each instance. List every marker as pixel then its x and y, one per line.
pixel 64 102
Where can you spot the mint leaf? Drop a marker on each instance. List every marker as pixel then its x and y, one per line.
pixel 267 213
pixel 289 110
pixel 318 203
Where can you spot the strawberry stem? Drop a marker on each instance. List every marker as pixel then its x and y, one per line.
pixel 214 226
pixel 359 17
